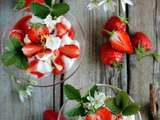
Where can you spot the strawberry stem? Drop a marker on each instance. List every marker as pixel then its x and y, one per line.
pixel 108 32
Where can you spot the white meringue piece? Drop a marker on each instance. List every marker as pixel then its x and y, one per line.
pixel 68 62
pixel 44 67
pixel 27 40
pixel 66 40
pixel 46 57
pixel 52 42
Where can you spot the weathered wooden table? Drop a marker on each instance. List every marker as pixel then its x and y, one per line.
pixel 135 77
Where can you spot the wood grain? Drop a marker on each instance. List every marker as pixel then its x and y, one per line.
pixel 142 18
pixel 11 107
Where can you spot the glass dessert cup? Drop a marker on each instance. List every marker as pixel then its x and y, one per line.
pixel 111 91
pixel 50 79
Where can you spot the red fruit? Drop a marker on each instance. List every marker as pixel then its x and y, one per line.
pixel 37 33
pixel 71 51
pixel 109 55
pixel 101 114
pixel 59 66
pixel 51 115
pixel 120 41
pixel 141 39
pixel 61 30
pixel 28 2
pixel 114 23
pixel 31 49
pixel 71 33
pixel 32 68
pixel 18 34
pixel 22 24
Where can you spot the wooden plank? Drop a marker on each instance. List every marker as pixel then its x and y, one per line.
pixel 92 70
pixel 156 74
pixel 11 107
pixel 141 18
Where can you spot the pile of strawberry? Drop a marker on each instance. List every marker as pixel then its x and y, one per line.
pixel 47 50
pixel 119 42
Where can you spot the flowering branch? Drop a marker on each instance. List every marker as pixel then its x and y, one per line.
pixel 108 5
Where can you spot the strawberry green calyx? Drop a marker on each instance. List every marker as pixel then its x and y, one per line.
pixel 140 52
pixel 124 19
pixel 117 65
pixel 108 32
pixel 156 56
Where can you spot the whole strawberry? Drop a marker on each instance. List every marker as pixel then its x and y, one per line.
pixel 101 114
pixel 37 33
pixel 141 44
pixel 51 115
pixel 120 41
pixel 109 55
pixel 114 23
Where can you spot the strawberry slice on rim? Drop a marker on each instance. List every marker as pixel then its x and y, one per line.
pixel 28 2
pixel 31 49
pixel 18 34
pixel 71 51
pixel 22 24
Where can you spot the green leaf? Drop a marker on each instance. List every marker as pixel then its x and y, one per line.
pixel 77 111
pixel 110 103
pixel 131 109
pixel 59 9
pixel 72 93
pixel 13 44
pixel 39 10
pixel 90 92
pixel 8 58
pixel 22 62
pixel 20 4
pixel 122 99
pixel 48 2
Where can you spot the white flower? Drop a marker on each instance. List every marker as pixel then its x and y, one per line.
pixel 52 42
pixel 124 2
pixel 109 6
pixel 50 23
pixel 35 19
pixel 93 4
pixel 95 102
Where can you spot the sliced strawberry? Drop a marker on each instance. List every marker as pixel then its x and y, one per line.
pixel 52 115
pixel 37 33
pixel 120 41
pixel 104 113
pixel 110 55
pixel 61 30
pixel 71 33
pixel 40 55
pixel 32 68
pixel 22 24
pixel 59 65
pixel 101 114
pixel 140 38
pixel 114 23
pixel 31 49
pixel 18 34
pixel 71 51
pixel 28 2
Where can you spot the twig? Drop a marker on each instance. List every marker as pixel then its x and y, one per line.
pixel 153 103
